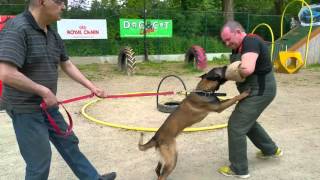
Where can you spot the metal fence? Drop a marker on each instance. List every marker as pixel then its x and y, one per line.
pixel 189 28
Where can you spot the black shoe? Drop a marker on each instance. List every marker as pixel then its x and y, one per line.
pixel 108 176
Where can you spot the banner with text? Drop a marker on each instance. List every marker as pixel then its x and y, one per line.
pixel 155 28
pixel 4 19
pixel 82 28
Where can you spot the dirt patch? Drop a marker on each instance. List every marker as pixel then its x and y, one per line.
pixel 292 120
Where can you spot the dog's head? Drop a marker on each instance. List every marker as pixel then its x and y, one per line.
pixel 212 80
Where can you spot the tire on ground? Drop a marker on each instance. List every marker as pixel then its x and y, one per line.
pixel 127 61
pixel 168 107
pixel 197 56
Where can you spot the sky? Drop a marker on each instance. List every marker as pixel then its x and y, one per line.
pixel 89 2
pixel 70 2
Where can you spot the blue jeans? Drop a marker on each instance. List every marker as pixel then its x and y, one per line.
pixel 33 133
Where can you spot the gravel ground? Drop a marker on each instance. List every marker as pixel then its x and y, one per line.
pixel 292 120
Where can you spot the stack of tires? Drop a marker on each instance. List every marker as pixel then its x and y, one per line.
pixel 127 61
pixel 196 55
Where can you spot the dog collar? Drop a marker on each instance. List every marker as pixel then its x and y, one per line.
pixel 209 93
pixel 210 97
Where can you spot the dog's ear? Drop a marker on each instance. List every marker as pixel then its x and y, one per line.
pixel 213 74
pixel 203 76
pixel 223 74
pixel 222 81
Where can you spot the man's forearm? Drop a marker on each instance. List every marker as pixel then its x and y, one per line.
pixel 73 72
pixel 12 77
pixel 248 64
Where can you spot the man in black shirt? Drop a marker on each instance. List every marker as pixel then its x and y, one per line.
pixel 252 69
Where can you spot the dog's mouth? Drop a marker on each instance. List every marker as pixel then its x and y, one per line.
pixel 217 78
pixel 212 80
pixel 216 74
pixel 208 86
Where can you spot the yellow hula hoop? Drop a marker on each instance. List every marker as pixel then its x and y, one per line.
pixel 144 129
pixel 310 29
pixel 272 36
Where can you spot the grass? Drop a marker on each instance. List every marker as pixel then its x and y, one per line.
pixel 314 67
pixel 99 71
pixel 164 68
pixel 223 60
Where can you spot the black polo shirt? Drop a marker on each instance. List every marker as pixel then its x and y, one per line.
pixel 253 43
pixel 36 54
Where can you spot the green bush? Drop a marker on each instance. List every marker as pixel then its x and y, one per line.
pixel 189 28
pixel 174 45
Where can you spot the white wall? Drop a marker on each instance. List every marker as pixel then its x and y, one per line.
pixel 156 58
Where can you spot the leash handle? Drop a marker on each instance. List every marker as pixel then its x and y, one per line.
pixel 52 122
pixel 220 94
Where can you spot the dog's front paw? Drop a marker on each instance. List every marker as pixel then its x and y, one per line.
pixel 244 94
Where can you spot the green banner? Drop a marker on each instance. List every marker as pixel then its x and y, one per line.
pixel 155 28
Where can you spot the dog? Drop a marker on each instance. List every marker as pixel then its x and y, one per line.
pixel 194 108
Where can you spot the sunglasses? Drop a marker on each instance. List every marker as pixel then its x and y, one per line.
pixel 59 2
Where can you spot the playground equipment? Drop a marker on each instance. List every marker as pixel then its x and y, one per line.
pixel 288 62
pixel 169 107
pixel 197 56
pixel 304 15
pixel 272 36
pixel 127 61
pixel 291 61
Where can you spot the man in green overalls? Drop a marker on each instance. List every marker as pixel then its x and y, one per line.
pixel 251 69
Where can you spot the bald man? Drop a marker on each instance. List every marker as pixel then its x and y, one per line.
pixel 251 68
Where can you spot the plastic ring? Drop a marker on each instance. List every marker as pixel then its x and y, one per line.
pixel 144 129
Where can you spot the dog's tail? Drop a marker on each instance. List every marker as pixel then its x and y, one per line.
pixel 150 144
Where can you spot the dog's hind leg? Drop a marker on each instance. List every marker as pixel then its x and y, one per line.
pixel 142 147
pixel 170 156
pixel 158 168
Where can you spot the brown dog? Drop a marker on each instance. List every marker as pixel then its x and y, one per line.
pixel 194 108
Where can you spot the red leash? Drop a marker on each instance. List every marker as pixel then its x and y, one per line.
pixel 52 122
pixel 77 98
pixel 68 131
pixel 140 94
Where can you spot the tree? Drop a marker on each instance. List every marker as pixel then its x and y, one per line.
pixel 212 5
pixel 11 7
pixel 279 5
pixel 80 4
pixel 12 1
pixel 112 3
pixel 228 10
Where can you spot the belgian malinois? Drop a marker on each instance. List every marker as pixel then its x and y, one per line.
pixel 194 108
